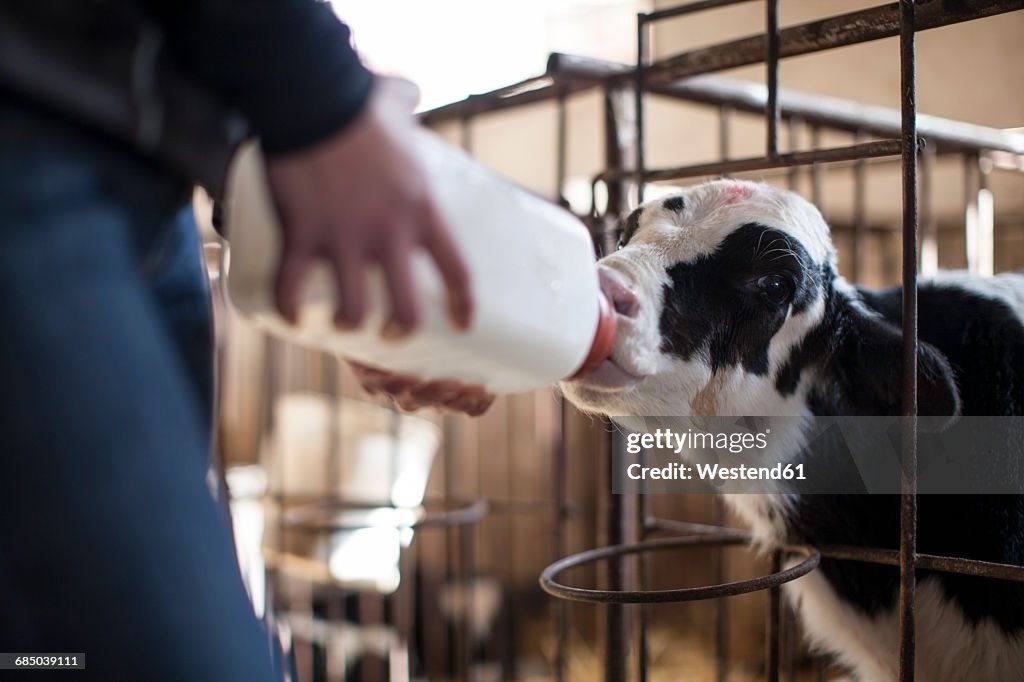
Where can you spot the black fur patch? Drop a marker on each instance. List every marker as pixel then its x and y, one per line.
pixel 982 338
pixel 630 226
pixel 674 204
pixel 859 360
pixel 714 309
pixel 989 528
pixel 983 342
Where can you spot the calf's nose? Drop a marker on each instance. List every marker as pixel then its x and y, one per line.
pixel 616 289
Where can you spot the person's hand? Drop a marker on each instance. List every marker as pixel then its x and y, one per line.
pixel 361 198
pixel 411 393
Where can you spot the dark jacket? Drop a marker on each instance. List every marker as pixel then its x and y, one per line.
pixel 285 65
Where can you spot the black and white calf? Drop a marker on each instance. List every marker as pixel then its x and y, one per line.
pixel 729 303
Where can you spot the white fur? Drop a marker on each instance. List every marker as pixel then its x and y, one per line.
pixel 949 649
pixel 663 238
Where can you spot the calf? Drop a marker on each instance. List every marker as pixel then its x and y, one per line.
pixel 729 303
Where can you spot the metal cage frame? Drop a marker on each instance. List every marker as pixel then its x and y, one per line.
pixel 629 521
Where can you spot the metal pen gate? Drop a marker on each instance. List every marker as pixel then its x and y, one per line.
pixel 629 521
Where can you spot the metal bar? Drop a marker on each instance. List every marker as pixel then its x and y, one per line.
pixel 621 150
pixel 986 220
pixel 691 528
pixel 908 497
pixel 638 93
pixel 489 103
pixel 860 212
pixel 793 175
pixel 724 131
pixel 929 221
pixel 680 10
pixel 464 630
pixel 927 562
pixel 811 559
pixel 840 114
pixel 772 112
pixel 857 151
pixel 971 225
pixel 721 605
pixel 817 174
pixel 581 73
pixel 788 638
pixel 644 610
pixel 772 638
pixel 616 639
pixel 846 29
pixel 562 151
pixel 560 479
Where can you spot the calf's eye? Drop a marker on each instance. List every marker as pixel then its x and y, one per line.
pixel 776 288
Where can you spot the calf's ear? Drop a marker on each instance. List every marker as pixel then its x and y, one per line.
pixel 869 365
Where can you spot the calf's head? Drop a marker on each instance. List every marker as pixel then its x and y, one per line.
pixel 728 303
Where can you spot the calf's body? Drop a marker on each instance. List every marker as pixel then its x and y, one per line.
pixel 729 304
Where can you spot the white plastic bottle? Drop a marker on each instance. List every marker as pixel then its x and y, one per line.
pixel 539 313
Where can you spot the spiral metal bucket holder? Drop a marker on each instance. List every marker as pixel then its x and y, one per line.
pixel 722 538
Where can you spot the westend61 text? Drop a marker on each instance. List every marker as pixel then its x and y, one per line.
pixel 715 472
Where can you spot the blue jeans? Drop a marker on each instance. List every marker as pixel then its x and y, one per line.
pixel 110 542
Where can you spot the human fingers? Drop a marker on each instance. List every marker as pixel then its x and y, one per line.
pixel 291 269
pixel 441 247
pixel 396 263
pixel 348 267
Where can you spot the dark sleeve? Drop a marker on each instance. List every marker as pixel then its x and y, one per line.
pixel 287 65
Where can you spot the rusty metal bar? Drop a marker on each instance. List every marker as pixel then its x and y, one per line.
pixel 560 479
pixel 817 173
pixel 772 627
pixel 638 103
pixel 811 559
pixel 857 151
pixel 860 212
pixel 621 150
pixel 927 562
pixel 721 606
pixel 544 90
pixel 617 635
pixel 838 31
pixel 820 110
pixel 643 611
pixel 691 528
pixel 772 112
pixel 908 497
pixel 581 73
pixel 680 10
pixel 839 114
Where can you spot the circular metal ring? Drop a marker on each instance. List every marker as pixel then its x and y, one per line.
pixel 329 516
pixel 549 585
